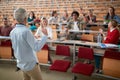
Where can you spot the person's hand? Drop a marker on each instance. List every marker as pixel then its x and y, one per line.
pixel 37 36
pixel 90 22
pixel 101 31
pixel 44 31
pixel 49 38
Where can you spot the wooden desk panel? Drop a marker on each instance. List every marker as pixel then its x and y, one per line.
pixel 42 56
pixel 111 67
pixel 5 52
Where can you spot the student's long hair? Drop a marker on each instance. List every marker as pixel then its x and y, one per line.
pixel 113 14
pixel 54 12
pixel 114 23
pixel 32 14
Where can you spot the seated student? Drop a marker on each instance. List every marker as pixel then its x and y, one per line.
pixel 5 31
pixel 6 28
pixel 65 18
pixel 74 24
pixel 44 24
pixel 112 37
pixel 39 33
pixel 83 17
pixel 82 12
pixel 113 33
pixel 53 18
pixel 111 15
pixel 91 18
pixel 37 23
pixel 31 18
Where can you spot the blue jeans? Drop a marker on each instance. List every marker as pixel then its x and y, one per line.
pixel 97 61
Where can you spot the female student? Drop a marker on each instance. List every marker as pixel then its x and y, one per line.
pixel 112 37
pixel 113 33
pixel 44 25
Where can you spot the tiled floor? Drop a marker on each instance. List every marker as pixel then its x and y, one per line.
pixel 7 72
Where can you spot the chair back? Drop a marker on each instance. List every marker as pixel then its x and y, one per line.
pixel 86 53
pixel 63 50
pixel 54 35
pixel 95 28
pixel 45 47
pixel 42 55
pixel 87 37
pixel 6 43
pixel 53 26
pixel 111 63
pixel 6 49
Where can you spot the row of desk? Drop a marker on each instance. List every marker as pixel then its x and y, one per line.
pixel 75 42
pixel 98 51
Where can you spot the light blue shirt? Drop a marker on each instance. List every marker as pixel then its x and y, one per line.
pixel 117 18
pixel 25 47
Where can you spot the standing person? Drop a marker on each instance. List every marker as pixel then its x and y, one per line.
pixel 25 46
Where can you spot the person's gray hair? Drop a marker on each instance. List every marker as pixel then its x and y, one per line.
pixel 20 15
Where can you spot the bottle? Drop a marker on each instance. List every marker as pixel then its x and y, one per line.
pixel 99 38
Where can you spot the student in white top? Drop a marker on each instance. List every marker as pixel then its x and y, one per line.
pixel 44 25
pixel 74 24
pixel 54 18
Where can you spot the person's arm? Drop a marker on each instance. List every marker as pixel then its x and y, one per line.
pixel 38 33
pixel 106 20
pixel 103 34
pixel 50 33
pixel 50 20
pixel 36 45
pixel 113 38
pixel 117 18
